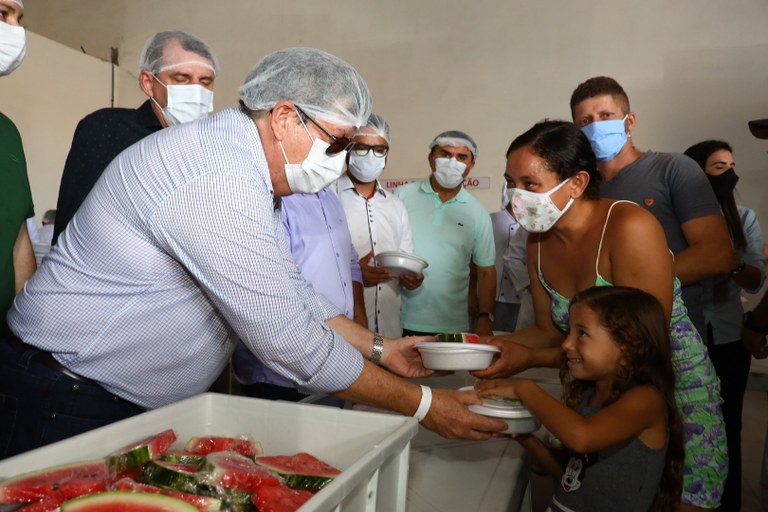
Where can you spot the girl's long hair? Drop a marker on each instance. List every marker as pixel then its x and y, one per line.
pixel 637 324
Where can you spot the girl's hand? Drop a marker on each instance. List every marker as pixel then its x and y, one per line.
pixel 498 387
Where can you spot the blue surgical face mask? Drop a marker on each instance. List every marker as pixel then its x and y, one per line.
pixel 606 138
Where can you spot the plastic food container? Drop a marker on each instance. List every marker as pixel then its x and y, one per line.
pixel 371 449
pixel 399 263
pixel 437 355
pixel 518 418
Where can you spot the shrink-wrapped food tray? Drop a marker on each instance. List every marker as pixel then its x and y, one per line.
pixel 370 449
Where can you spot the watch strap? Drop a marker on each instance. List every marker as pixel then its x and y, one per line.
pixel 378 348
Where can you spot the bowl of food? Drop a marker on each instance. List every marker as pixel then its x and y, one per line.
pixel 439 355
pixel 519 419
pixel 400 263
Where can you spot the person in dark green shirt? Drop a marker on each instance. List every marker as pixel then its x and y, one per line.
pixel 17 258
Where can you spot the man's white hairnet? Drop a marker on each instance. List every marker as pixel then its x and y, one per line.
pixel 155 59
pixel 321 84
pixel 456 139
pixel 376 125
pixel 19 2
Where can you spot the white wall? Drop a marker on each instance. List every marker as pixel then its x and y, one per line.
pixel 46 97
pixel 693 69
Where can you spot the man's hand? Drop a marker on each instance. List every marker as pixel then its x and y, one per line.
pixel 372 275
pixel 411 281
pixel 449 417
pixel 400 356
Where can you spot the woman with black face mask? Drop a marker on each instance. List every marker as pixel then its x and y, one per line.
pixel 723 310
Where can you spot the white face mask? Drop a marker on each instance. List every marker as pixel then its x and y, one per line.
pixel 186 102
pixel 317 171
pixel 366 168
pixel 13 47
pixel 536 212
pixel 449 172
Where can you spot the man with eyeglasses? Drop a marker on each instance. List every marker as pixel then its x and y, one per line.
pixel 186 252
pixel 321 245
pixel 378 222
pixel 452 231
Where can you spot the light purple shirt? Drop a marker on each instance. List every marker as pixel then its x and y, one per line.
pixel 318 235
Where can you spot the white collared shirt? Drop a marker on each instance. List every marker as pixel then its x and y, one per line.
pixel 377 224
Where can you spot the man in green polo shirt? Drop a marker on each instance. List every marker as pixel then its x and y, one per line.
pixel 451 230
pixel 17 258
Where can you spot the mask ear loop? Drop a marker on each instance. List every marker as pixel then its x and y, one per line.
pixel 305 126
pixel 280 143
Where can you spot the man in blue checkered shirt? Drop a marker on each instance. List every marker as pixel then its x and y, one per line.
pixel 179 250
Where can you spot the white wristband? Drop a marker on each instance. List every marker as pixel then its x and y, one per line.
pixel 425 404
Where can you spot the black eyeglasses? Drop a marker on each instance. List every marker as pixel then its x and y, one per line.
pixel 338 144
pixel 361 149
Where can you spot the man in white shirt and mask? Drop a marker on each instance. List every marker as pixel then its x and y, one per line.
pixel 451 230
pixel 176 71
pixel 378 222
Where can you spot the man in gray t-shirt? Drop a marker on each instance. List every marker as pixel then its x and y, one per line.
pixel 669 185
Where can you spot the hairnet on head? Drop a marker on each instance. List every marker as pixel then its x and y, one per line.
pixel 376 125
pixel 321 84
pixel 155 58
pixel 19 3
pixel 456 139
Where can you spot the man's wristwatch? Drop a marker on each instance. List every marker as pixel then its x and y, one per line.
pixel 749 323
pixel 487 314
pixel 378 347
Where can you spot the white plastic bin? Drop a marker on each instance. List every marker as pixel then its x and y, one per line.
pixel 371 449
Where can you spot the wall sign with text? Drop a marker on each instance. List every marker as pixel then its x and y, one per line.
pixel 470 183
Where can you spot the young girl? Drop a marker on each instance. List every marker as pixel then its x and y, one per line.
pixel 619 422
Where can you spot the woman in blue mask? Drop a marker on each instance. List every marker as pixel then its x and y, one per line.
pixel 579 240
pixel 723 311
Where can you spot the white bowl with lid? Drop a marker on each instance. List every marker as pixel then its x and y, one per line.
pixel 519 419
pixel 400 263
pixel 437 355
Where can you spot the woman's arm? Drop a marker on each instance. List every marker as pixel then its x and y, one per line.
pixel 535 346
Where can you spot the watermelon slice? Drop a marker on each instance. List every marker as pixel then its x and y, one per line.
pixel 302 470
pixel 230 470
pixel 44 505
pixel 279 498
pixel 175 477
pixel 244 445
pixel 60 482
pixel 183 457
pixel 127 501
pixel 458 337
pixel 138 453
pixel 202 503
